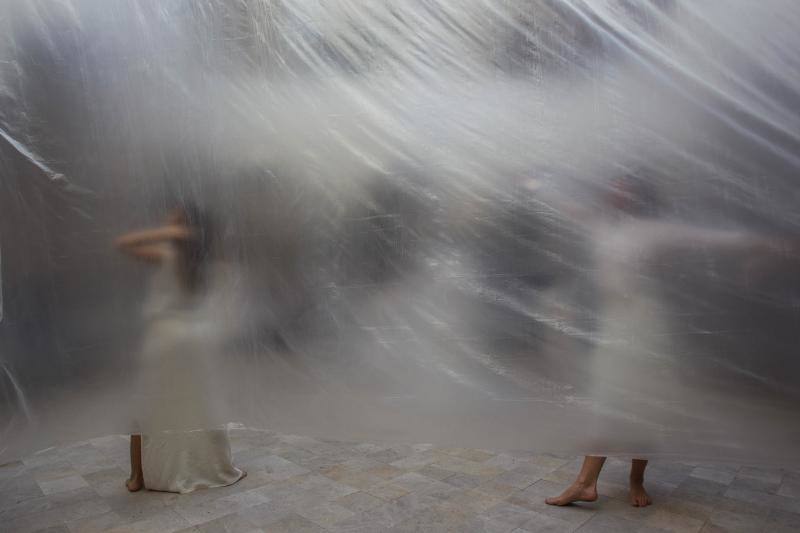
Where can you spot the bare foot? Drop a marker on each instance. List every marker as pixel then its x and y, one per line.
pixel 134 484
pixel 574 493
pixel 639 496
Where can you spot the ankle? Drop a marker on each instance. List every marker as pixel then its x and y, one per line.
pixel 586 483
pixel 637 480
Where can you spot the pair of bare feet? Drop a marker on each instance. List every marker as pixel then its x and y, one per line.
pixel 581 492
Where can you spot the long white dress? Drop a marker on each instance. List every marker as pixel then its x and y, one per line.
pixel 636 367
pixel 184 445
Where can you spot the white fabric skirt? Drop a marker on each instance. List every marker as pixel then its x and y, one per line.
pixel 183 461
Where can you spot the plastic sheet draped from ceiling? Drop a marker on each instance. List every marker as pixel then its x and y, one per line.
pixel 419 232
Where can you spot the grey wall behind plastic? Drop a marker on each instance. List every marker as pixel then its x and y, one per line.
pixel 412 203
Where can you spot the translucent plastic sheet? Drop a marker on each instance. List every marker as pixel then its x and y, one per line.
pixel 555 225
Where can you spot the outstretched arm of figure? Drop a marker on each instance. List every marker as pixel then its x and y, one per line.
pixel 760 256
pixel 686 236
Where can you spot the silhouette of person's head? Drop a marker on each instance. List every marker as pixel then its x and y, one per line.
pixel 634 195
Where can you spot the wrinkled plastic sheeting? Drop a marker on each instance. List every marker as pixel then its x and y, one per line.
pixel 412 205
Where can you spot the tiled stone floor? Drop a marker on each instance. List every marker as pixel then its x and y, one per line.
pixel 299 484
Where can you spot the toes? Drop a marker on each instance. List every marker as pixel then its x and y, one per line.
pixel 639 498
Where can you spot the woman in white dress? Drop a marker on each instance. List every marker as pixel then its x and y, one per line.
pixel 182 446
pixel 628 367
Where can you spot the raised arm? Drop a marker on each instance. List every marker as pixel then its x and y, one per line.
pixel 148 245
